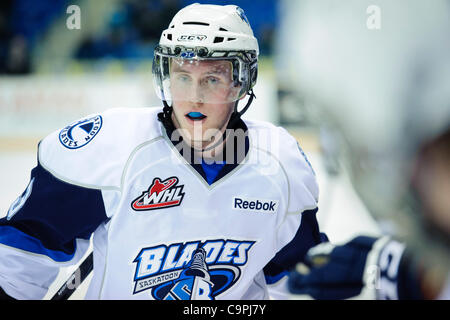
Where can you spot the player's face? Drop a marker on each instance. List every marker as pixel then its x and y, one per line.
pixel 203 98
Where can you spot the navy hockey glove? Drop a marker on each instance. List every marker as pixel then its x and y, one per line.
pixel 377 265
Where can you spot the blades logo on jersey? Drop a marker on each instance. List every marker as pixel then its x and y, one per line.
pixel 79 134
pixel 190 271
pixel 161 194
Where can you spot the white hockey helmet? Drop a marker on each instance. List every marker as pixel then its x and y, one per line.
pixel 200 33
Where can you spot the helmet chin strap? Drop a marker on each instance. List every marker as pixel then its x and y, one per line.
pixel 238 114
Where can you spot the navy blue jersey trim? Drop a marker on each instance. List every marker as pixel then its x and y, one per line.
pixel 211 171
pixel 12 237
pixel 56 213
pixel 4 296
pixel 308 235
pixel 273 279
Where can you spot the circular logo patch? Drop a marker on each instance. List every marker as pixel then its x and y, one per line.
pixel 79 134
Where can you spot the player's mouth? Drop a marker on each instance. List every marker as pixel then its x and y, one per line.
pixel 195 116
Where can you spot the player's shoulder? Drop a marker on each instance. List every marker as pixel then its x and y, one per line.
pixel 261 128
pixel 277 141
pixel 284 148
pixel 93 149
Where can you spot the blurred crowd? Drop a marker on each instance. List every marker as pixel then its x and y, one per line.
pixel 132 30
pixel 22 23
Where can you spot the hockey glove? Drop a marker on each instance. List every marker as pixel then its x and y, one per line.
pixel 377 265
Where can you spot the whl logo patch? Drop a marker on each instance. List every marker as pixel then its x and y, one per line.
pixel 160 195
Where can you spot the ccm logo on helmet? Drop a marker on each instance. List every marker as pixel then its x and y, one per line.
pixel 255 205
pixel 192 37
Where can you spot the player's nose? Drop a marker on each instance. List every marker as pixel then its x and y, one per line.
pixel 198 94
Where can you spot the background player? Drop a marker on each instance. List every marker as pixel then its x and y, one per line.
pixel 386 90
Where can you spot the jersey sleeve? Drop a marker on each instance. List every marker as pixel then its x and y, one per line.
pixel 307 236
pixel 74 189
pixel 47 227
pixel 299 229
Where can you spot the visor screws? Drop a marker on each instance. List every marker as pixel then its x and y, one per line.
pixel 202 52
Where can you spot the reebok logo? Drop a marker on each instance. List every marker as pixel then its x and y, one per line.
pixel 255 205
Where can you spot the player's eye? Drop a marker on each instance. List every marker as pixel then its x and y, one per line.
pixel 183 78
pixel 212 81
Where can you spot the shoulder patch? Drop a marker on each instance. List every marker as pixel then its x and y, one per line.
pixel 80 133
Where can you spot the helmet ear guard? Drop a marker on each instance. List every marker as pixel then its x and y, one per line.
pixel 253 74
pixel 251 71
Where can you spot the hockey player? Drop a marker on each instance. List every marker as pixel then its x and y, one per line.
pixel 184 202
pixel 393 111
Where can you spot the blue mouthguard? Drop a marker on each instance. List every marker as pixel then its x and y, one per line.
pixel 195 114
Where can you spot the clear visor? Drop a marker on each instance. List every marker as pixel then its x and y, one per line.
pixel 198 80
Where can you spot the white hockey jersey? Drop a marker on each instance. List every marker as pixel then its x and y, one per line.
pixel 161 231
